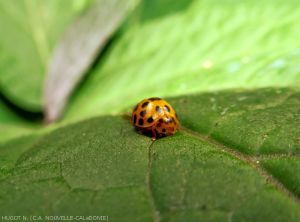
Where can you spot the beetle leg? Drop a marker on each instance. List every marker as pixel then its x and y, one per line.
pixel 154 136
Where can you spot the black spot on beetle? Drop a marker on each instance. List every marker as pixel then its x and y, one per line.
pixel 143 113
pixel 158 109
pixel 141 122
pixel 161 120
pixel 150 119
pixel 134 119
pixel 167 108
pixel 145 104
pixel 163 130
pixel 154 98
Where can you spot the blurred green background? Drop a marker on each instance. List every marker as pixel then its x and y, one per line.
pixel 162 48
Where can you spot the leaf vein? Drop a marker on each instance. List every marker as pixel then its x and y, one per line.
pixel 248 159
pixel 156 213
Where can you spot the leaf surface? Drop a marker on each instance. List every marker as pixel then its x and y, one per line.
pixel 223 165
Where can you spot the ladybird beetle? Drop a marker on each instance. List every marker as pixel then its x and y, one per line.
pixel 155 117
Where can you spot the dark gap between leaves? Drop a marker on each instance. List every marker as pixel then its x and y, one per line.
pixel 27 115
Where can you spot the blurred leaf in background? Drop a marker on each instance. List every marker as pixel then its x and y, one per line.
pixel 193 46
pixel 162 49
pixel 30 29
pixel 77 50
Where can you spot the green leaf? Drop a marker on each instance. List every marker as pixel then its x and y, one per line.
pixel 10 152
pixel 193 46
pixel 78 49
pixel 29 31
pixel 261 121
pixel 10 131
pixel 225 163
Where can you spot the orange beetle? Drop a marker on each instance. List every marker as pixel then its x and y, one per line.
pixel 156 117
